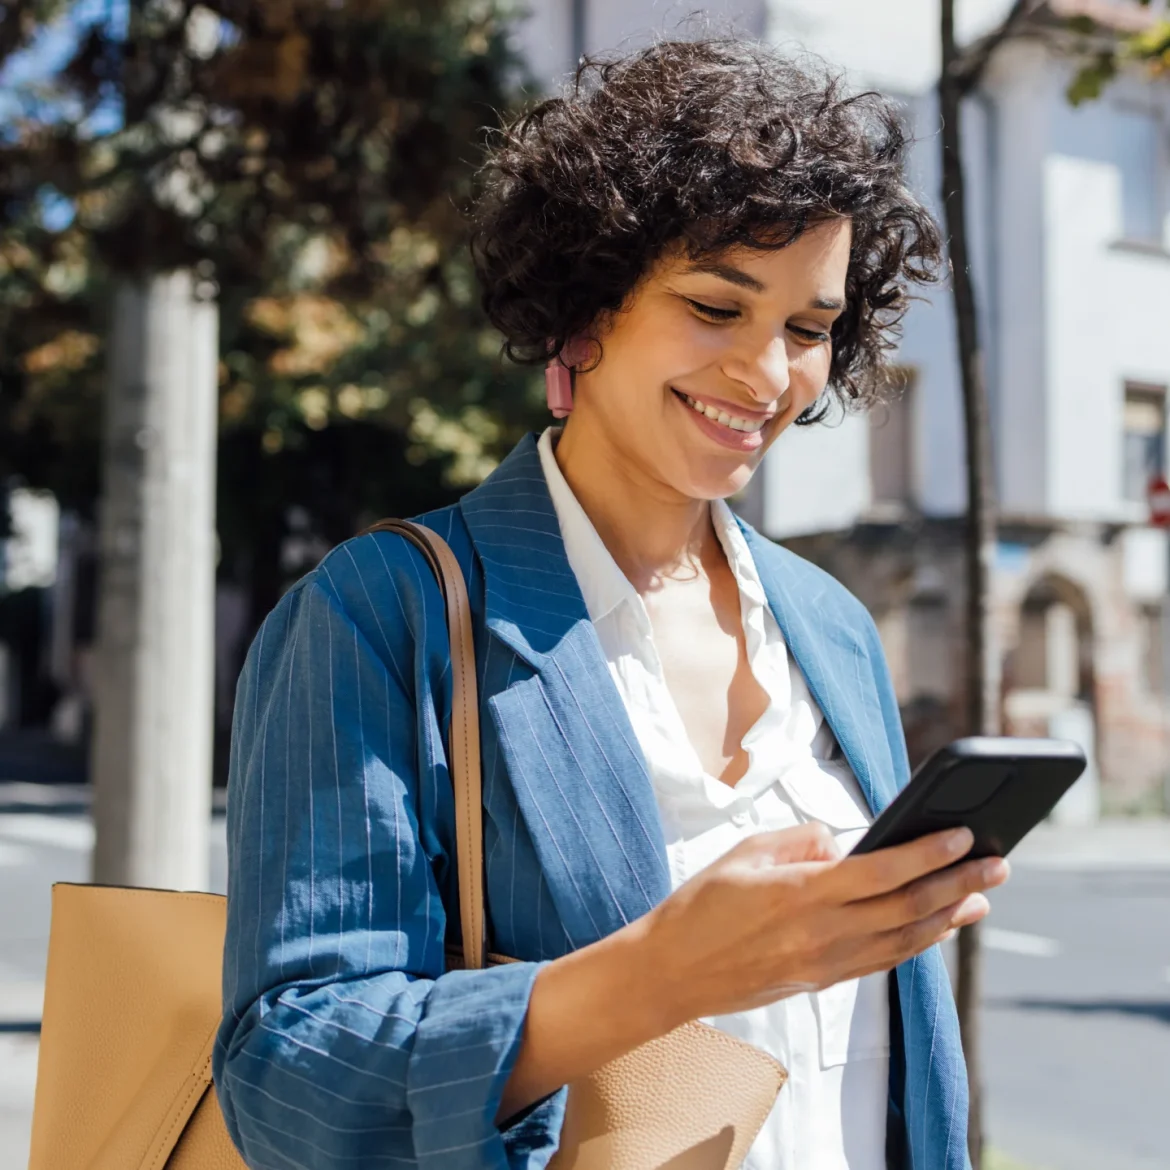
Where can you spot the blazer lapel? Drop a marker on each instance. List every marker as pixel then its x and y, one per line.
pixel 578 773
pixel 825 645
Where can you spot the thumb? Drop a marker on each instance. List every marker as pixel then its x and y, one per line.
pixel 808 842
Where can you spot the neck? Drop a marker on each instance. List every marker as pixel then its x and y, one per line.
pixel 651 531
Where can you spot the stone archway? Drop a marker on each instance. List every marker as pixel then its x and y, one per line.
pixel 1049 687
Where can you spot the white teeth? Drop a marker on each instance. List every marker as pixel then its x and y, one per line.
pixel 731 421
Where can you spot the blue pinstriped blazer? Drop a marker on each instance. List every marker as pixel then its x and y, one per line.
pixel 344 1045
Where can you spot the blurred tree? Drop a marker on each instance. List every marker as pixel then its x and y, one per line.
pixel 310 159
pixel 962 71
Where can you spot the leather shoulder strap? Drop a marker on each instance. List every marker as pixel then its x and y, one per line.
pixel 463 739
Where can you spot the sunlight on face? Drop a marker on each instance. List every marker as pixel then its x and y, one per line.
pixel 709 362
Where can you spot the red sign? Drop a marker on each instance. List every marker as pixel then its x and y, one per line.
pixel 1158 494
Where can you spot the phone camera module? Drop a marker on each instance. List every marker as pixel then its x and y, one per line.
pixel 969 788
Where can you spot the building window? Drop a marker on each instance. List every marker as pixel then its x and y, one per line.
pixel 1138 151
pixel 891 446
pixel 1144 425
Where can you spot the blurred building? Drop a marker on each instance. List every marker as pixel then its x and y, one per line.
pixel 556 33
pixel 1071 246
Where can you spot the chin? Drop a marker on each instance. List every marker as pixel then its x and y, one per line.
pixel 717 483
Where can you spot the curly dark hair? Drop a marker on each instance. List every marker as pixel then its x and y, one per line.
pixel 704 145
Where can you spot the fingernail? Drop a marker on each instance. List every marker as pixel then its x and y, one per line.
pixel 995 869
pixel 960 840
pixel 971 909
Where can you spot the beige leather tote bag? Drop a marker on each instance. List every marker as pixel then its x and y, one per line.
pixel 132 1005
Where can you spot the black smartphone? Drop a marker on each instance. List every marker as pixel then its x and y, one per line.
pixel 1000 788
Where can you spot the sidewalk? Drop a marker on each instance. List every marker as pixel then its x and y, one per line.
pixel 1122 843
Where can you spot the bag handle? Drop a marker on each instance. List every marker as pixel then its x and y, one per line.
pixel 463 736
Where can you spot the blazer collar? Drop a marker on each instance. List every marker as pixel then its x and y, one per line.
pixel 531 597
pixel 577 771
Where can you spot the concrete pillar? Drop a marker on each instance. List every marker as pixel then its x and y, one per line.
pixel 153 668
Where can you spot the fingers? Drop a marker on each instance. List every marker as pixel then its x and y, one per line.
pixel 969 911
pixel 884 870
pixel 892 947
pixel 919 901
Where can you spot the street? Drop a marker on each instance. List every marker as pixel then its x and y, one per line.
pixel 1077 1031
pixel 1077 1022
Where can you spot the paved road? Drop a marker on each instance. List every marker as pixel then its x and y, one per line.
pixel 1077 1024
pixel 1077 1032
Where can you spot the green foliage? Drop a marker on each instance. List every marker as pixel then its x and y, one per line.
pixel 1106 52
pixel 1091 79
pixel 312 159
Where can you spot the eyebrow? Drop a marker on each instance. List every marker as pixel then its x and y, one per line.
pixel 742 279
pixel 830 303
pixel 728 272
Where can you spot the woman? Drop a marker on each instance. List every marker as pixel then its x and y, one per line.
pixel 684 726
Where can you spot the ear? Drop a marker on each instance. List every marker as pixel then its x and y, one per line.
pixel 577 351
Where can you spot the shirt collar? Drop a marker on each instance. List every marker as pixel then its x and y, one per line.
pixel 739 556
pixel 603 585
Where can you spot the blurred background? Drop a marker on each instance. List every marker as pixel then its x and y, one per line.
pixel 238 323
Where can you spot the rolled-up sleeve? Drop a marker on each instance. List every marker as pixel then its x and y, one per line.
pixel 343 1042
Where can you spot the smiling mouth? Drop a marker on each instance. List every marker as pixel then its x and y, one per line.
pixel 722 417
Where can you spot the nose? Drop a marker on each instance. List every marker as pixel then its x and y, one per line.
pixel 764 371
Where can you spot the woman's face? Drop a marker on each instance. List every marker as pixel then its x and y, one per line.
pixel 710 361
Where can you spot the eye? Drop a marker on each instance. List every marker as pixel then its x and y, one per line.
pixel 710 312
pixel 812 336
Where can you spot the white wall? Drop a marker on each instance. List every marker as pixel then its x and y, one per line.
pixel 816 479
pixel 545 36
pixel 1022 95
pixel 1107 322
pixel 887 44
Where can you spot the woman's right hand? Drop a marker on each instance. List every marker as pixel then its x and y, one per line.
pixel 783 913
pixel 780 913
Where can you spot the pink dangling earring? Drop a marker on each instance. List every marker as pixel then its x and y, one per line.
pixel 558 388
pixel 558 377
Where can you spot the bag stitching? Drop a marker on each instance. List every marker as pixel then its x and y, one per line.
pixel 180 1123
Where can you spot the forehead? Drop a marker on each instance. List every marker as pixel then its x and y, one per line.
pixel 820 254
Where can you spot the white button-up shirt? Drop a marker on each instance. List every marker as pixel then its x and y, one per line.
pixel 831 1114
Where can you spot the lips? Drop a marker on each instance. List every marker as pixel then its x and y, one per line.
pixel 727 423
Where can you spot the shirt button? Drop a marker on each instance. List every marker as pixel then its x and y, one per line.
pixel 739 818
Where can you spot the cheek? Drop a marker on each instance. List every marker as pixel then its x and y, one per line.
pixel 810 373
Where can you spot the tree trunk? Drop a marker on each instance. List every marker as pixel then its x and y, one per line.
pixel 982 664
pixel 154 659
